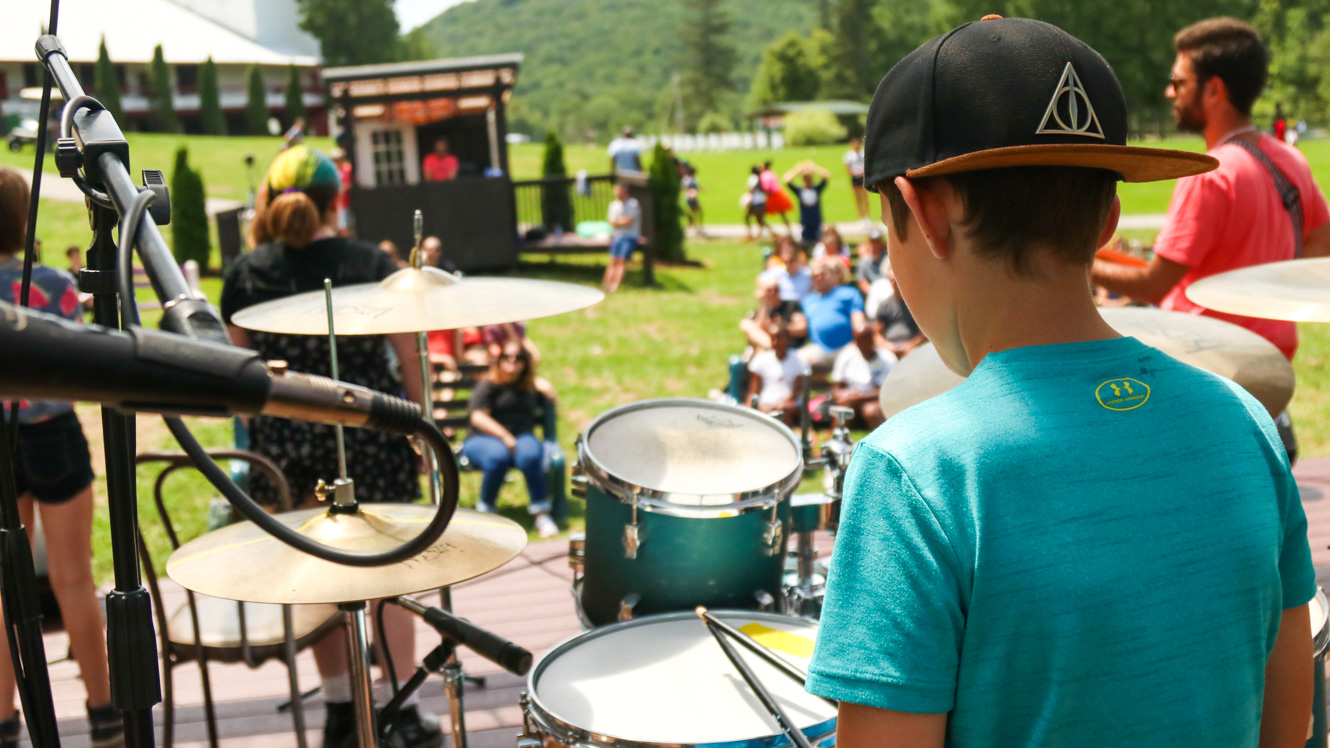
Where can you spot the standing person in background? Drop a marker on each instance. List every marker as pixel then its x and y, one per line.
pixel 754 203
pixel 810 198
pixel 625 217
pixel 692 195
pixel 344 192
pixel 295 248
pixel 53 475
pixel 295 135
pixel 778 203
pixel 1280 129
pixel 439 165
pixel 854 166
pixel 625 152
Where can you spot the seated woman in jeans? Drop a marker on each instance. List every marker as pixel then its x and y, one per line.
pixel 503 418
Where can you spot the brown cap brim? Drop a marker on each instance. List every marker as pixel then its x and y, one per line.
pixel 1134 164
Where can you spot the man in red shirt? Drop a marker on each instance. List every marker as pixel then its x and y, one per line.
pixel 439 165
pixel 1231 217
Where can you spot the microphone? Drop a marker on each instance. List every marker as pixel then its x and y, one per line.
pixel 51 358
pixel 492 647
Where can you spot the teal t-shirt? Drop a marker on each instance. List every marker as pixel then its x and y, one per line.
pixel 1086 544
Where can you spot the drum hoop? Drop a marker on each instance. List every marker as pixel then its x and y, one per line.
pixel 674 503
pixel 1321 641
pixel 570 734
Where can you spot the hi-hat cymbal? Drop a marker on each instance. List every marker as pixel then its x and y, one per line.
pixel 1294 290
pixel 1204 342
pixel 242 562
pixel 412 300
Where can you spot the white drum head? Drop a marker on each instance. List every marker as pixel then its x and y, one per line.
pixel 693 449
pixel 664 679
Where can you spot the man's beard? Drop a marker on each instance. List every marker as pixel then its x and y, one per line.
pixel 1189 115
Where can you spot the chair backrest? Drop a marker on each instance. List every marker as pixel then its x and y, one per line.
pixel 451 394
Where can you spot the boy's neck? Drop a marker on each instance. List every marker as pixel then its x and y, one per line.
pixel 999 310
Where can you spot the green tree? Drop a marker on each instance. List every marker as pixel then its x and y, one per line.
pixel 902 27
pixel 663 179
pixel 1297 37
pixel 163 101
pixel 189 213
pixel 824 18
pixel 210 102
pixel 708 59
pixel 851 73
pixel 352 32
pixel 787 73
pixel 106 84
pixel 556 204
pixel 256 102
pixel 295 97
pixel 415 45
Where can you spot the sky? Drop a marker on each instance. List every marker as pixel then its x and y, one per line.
pixel 413 13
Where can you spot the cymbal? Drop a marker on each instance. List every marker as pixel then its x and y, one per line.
pixel 1204 342
pixel 242 562
pixel 1294 290
pixel 414 300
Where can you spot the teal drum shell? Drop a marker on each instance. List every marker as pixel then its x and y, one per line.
pixel 704 482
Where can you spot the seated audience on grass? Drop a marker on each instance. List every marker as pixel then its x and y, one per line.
pixel 832 313
pixel 390 247
pixel 776 376
pixel 497 336
pixel 895 323
pixel 467 345
pixel 802 184
pixel 431 252
pixel 872 256
pixel 857 374
pixel 505 408
pixel 770 308
pixel 789 266
pixel 832 245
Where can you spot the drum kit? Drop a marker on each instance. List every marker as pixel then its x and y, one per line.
pixel 688 503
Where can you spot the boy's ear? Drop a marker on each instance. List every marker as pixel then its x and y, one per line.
pixel 930 216
pixel 1111 225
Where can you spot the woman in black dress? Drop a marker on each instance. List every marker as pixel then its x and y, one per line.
pixel 295 248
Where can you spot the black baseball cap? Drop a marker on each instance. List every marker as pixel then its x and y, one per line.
pixel 1005 92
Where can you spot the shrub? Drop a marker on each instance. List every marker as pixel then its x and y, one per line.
pixel 106 84
pixel 162 99
pixel 812 127
pixel 256 102
pixel 714 122
pixel 210 104
pixel 556 204
pixel 295 97
pixel 189 213
pixel 664 181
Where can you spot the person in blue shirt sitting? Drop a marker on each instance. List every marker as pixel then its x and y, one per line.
pixel 1087 542
pixel 832 314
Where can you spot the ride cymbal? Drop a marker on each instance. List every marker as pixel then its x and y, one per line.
pixel 242 562
pixel 416 300
pixel 1204 342
pixel 1293 290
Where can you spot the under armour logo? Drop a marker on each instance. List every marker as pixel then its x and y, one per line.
pixel 1118 389
pixel 1070 111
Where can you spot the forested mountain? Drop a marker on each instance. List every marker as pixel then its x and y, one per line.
pixel 601 64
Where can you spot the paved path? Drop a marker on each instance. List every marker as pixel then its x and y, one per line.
pixel 56 187
pixel 1148 221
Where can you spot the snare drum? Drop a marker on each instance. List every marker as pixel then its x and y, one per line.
pixel 687 505
pixel 1318 608
pixel 664 681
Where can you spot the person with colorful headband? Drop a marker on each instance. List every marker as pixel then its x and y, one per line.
pixel 1086 543
pixel 296 247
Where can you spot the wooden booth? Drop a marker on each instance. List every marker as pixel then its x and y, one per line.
pixel 392 115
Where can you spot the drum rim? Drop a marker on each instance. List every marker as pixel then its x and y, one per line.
pixel 676 503
pixel 568 733
pixel 1321 639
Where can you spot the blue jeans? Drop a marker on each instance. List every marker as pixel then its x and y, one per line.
pixel 493 458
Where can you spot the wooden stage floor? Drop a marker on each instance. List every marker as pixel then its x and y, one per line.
pixel 527 601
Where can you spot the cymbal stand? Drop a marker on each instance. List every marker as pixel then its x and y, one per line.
pixel 453 677
pixel 354 613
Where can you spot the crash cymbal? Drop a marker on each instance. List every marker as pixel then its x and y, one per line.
pixel 1204 342
pixel 414 300
pixel 1295 290
pixel 242 562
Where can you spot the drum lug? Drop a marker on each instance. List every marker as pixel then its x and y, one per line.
pixel 627 604
pixel 764 600
pixel 773 536
pixel 578 481
pixel 632 540
pixel 577 553
pixel 529 737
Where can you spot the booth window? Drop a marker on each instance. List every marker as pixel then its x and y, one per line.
pixel 389 157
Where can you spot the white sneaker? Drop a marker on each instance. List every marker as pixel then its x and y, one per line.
pixel 545 525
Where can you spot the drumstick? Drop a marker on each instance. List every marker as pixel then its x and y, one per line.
pixel 751 644
pixel 795 734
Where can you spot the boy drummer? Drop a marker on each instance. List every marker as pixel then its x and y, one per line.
pixel 1087 542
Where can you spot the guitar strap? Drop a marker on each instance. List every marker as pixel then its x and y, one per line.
pixel 1288 192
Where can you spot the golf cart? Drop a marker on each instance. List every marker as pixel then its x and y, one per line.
pixel 30 105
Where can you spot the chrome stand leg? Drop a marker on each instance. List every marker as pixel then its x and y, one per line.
pixel 453 686
pixel 361 685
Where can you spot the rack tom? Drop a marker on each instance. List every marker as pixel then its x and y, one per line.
pixel 687 505
pixel 663 681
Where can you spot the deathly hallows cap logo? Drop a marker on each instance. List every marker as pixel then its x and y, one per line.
pixel 1070 111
